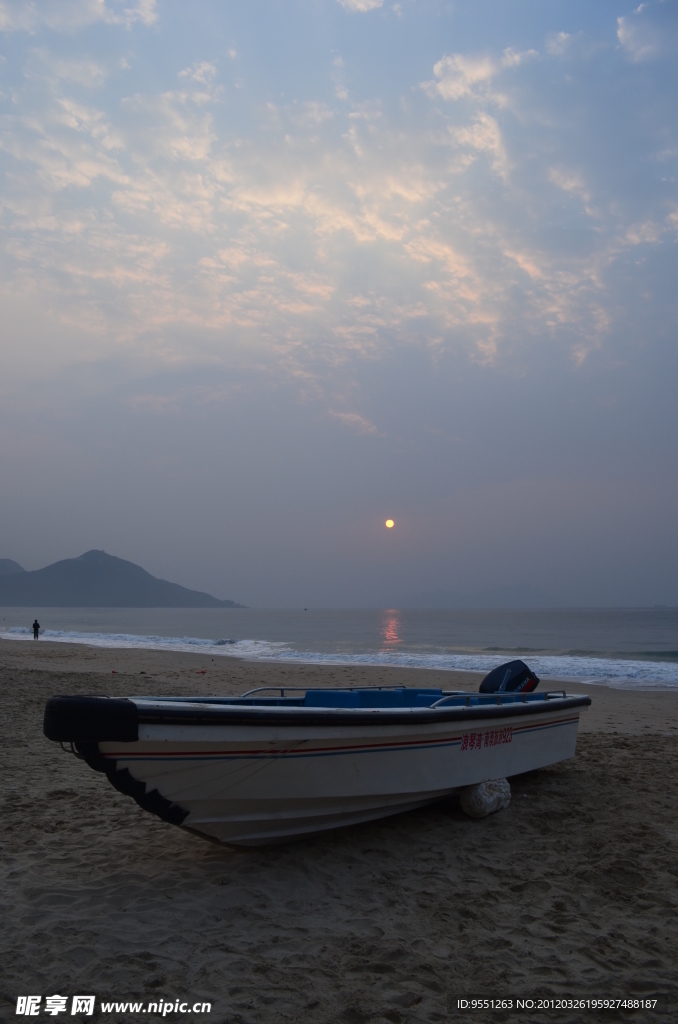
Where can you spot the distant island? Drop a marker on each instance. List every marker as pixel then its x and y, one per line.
pixel 9 566
pixel 96 580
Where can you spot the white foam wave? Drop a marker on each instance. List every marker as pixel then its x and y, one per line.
pixel 618 673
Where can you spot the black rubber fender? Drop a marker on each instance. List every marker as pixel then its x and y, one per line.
pixel 91 720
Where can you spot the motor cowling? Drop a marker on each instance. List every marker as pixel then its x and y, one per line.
pixel 511 677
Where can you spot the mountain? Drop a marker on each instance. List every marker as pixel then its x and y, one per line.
pixel 8 567
pixel 517 596
pixel 98 580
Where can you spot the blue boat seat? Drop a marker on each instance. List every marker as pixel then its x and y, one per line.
pixel 332 699
pixel 396 698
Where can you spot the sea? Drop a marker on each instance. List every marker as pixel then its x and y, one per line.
pixel 621 647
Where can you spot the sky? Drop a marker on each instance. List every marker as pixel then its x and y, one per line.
pixel 273 273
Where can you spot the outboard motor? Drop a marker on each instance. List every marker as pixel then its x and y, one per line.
pixel 511 677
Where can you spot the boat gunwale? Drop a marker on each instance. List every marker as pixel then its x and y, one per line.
pixel 171 714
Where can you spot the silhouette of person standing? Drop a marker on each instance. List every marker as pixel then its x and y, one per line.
pixel 36 629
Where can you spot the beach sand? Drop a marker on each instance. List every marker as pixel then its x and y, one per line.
pixel 570 891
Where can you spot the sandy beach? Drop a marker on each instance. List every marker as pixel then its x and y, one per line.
pixel 570 891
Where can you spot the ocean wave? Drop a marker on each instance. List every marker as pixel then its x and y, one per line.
pixel 119 640
pixel 615 672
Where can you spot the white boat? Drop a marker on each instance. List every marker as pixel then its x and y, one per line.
pixel 271 766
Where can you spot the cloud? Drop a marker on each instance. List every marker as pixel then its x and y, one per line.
pixel 569 181
pixel 484 136
pixel 71 15
pixel 459 75
pixel 79 70
pixel 355 421
pixel 650 32
pixel 310 236
pixel 558 43
pixel 312 114
pixel 572 45
pixel 361 5
pixel 144 11
pixel 201 71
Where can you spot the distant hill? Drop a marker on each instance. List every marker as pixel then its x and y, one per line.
pixel 8 567
pixel 516 596
pixel 97 580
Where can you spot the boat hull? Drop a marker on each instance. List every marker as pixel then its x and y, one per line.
pixel 253 784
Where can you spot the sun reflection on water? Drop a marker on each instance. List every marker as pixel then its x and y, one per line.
pixel 389 629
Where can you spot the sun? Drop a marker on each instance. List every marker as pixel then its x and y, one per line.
pixel 389 524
